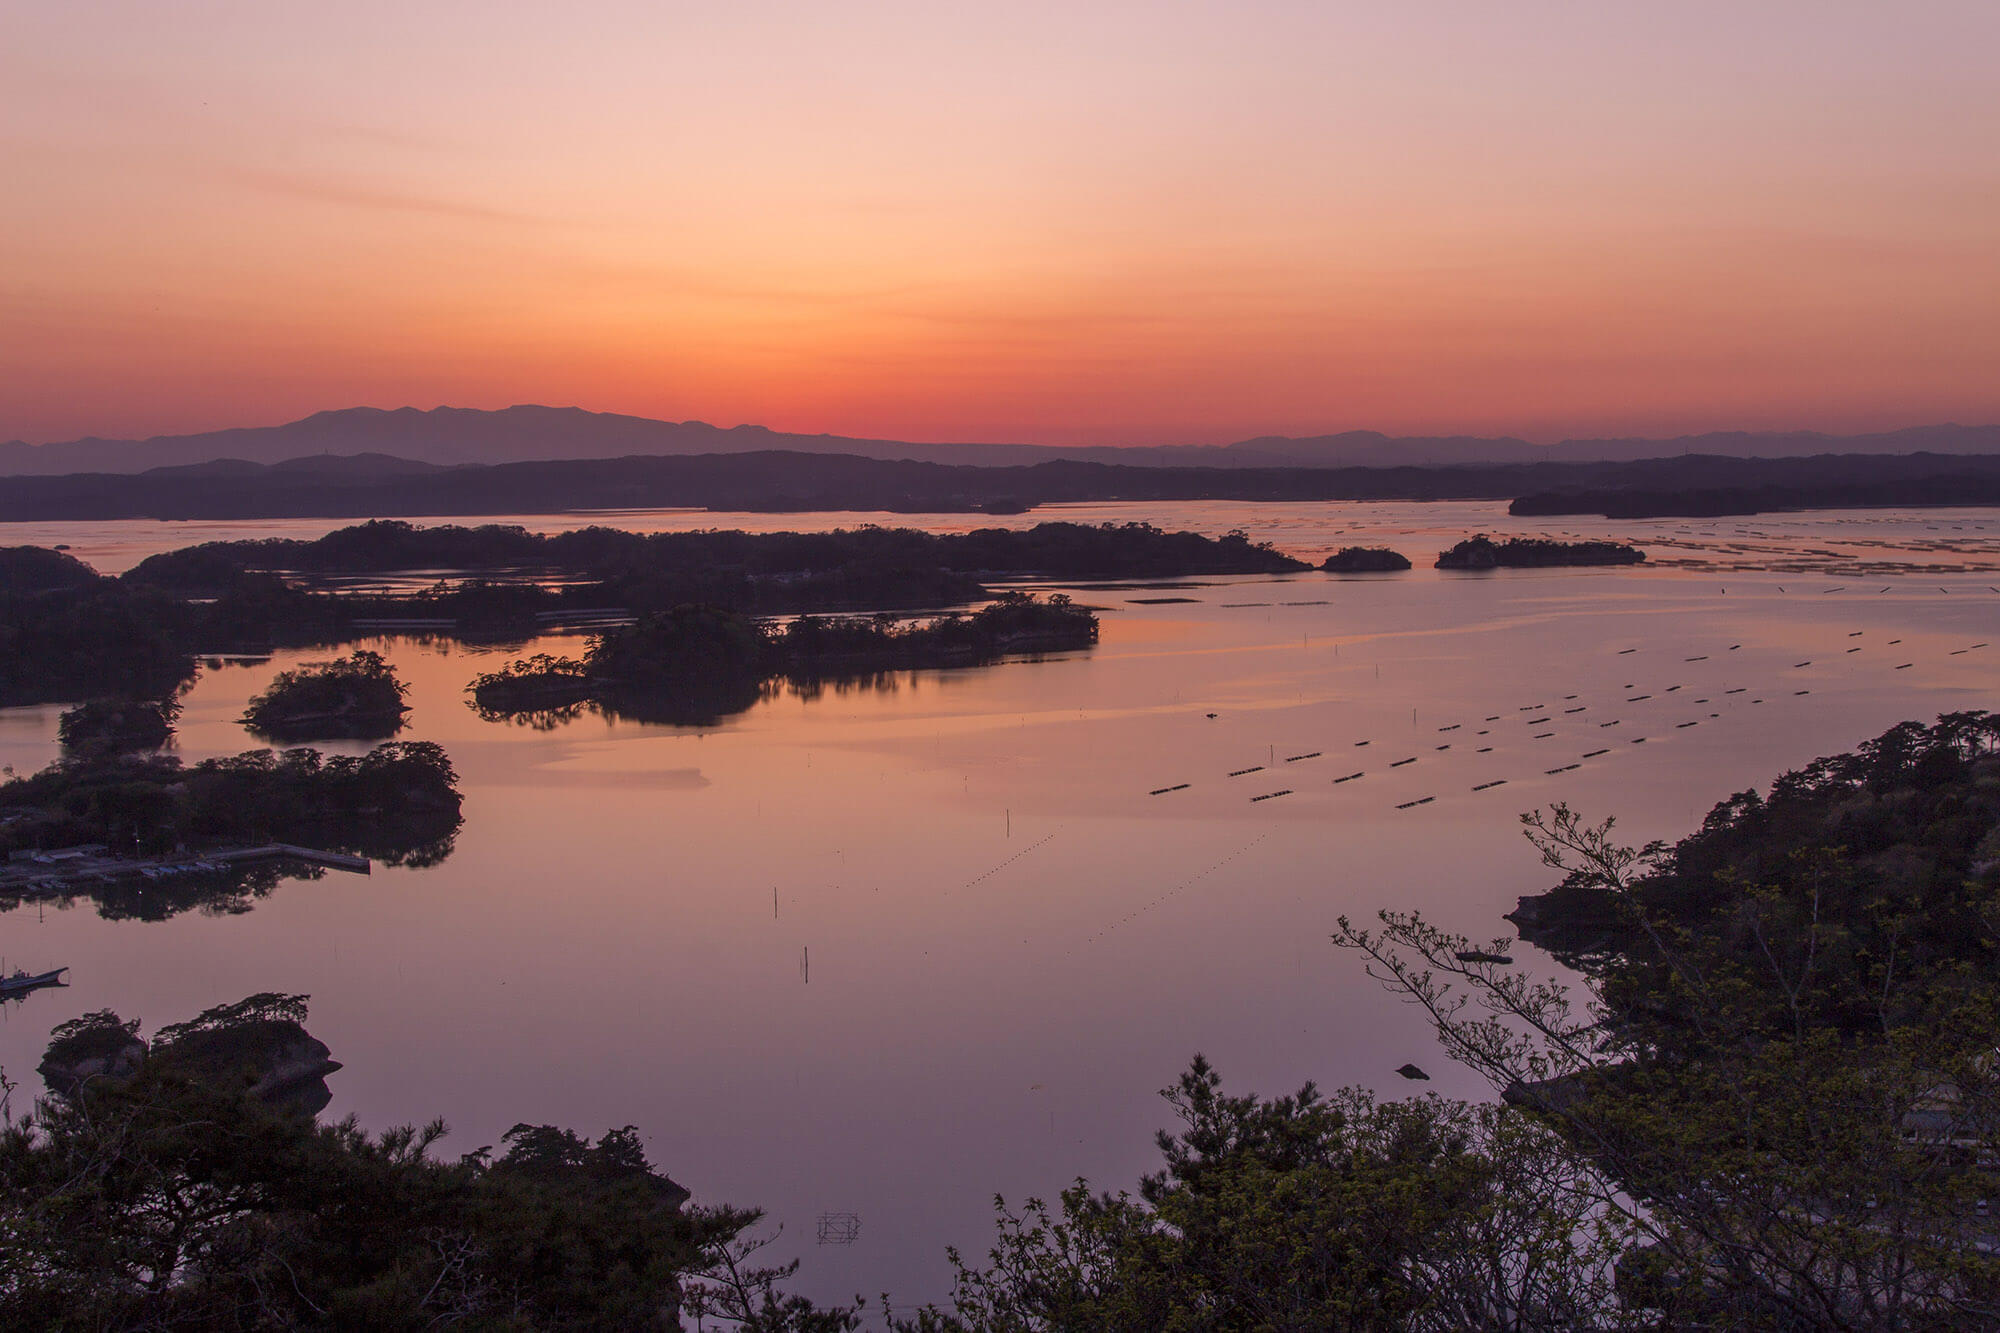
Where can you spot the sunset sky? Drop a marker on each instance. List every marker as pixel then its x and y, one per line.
pixel 1065 223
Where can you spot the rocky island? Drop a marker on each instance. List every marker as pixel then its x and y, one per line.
pixel 257 1047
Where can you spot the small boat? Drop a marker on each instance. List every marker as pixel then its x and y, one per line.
pixel 18 982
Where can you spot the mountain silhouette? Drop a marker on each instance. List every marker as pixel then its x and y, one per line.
pixel 454 436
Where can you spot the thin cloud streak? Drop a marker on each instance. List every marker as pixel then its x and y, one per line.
pixel 350 194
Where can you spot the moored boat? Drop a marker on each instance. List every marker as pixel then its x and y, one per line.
pixel 18 982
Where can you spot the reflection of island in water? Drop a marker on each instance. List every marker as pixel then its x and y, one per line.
pixel 211 889
pixel 147 838
pixel 696 710
pixel 696 665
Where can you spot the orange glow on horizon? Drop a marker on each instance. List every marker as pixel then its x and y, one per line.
pixel 1135 226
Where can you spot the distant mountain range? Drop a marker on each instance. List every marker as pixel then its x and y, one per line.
pixel 377 441
pixel 377 486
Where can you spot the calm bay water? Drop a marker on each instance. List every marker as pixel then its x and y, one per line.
pixel 990 944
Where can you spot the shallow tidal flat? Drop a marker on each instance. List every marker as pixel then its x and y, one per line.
pixel 887 948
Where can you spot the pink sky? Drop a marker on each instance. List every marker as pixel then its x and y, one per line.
pixel 1114 223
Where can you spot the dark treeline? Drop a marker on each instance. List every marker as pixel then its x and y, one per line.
pixel 696 664
pixel 767 482
pixel 67 633
pixel 628 559
pixel 797 482
pixel 1963 488
pixel 1535 553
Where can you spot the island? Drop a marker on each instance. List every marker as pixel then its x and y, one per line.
pixel 148 837
pixel 356 697
pixel 695 664
pixel 67 633
pixel 1365 560
pixel 1480 552
pixel 115 726
pixel 257 1046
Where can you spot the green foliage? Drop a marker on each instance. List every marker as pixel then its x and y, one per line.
pixel 1780 1071
pixel 1862 893
pixel 172 1199
pixel 1305 1212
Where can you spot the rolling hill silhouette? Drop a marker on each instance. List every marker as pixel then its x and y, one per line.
pixel 454 436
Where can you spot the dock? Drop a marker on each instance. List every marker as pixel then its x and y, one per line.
pixel 285 851
pixel 62 870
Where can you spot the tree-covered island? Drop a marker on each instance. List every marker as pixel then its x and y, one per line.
pixel 140 829
pixel 1481 552
pixel 115 726
pixel 697 663
pixel 355 697
pixel 67 633
pixel 1365 560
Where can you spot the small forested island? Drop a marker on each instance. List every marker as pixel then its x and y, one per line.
pixel 1534 553
pixel 258 1045
pixel 1365 560
pixel 114 726
pixel 697 663
pixel 120 816
pixel 356 697
pixel 185 1183
pixel 67 633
